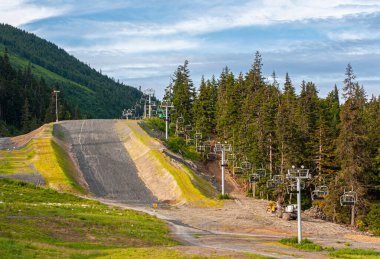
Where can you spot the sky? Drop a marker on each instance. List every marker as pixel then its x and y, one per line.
pixel 141 43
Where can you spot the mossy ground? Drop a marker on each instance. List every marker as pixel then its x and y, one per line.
pixel 39 222
pixel 41 154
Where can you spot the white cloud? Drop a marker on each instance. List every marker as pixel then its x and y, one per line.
pixel 138 46
pixel 19 12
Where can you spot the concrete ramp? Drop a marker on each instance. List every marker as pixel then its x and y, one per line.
pixel 106 166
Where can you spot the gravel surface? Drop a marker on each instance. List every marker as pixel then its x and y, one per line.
pixel 106 166
pixel 6 144
pixel 35 178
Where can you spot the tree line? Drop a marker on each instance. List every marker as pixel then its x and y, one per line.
pixel 26 102
pixel 274 127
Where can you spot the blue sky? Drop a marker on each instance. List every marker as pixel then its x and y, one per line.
pixel 142 42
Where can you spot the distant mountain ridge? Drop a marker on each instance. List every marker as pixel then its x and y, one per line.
pixel 97 95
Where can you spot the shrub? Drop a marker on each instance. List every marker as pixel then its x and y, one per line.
pixel 373 219
pixel 225 196
pixel 306 244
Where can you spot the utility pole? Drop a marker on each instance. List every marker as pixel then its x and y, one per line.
pixel 56 104
pixel 299 174
pixel 166 105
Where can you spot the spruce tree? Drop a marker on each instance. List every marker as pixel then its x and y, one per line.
pixel 353 146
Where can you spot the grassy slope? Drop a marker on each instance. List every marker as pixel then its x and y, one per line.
pixel 38 222
pixel 43 155
pixel 184 177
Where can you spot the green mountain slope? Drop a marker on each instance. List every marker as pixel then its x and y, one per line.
pixel 97 95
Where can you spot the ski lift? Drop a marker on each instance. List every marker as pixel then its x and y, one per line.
pixel 180 120
pixel 348 198
pixel 198 135
pixel 320 193
pixel 278 179
pixel 237 170
pixel 231 157
pixel 189 140
pixel 271 184
pixel 211 156
pixel 254 178
pixel 261 172
pixel 201 149
pixel 295 173
pixel 246 165
pixel 188 128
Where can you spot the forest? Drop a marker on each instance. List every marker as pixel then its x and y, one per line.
pixel 26 102
pixel 274 128
pixel 96 95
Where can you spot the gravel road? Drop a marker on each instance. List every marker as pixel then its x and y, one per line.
pixel 106 166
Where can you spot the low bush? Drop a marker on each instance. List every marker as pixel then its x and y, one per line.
pixel 373 219
pixel 306 244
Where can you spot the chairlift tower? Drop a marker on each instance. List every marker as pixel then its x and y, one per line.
pixel 166 105
pixel 56 92
pixel 222 148
pixel 298 174
pixel 149 92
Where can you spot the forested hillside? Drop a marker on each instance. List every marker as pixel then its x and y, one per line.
pixel 96 95
pixel 26 101
pixel 273 127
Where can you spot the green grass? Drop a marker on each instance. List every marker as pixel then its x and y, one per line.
pixel 306 244
pixel 44 223
pixel 354 253
pixel 67 165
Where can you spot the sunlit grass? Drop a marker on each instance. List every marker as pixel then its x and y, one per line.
pixel 41 154
pixel 40 222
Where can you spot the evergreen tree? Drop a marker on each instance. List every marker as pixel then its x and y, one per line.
pixel 26 117
pixel 353 146
pixel 183 93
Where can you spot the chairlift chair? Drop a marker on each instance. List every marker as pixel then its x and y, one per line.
pixel 320 193
pixel 261 172
pixel 278 179
pixel 271 184
pixel 189 140
pixel 254 178
pixel 201 149
pixel 348 198
pixel 237 170
pixel 180 120
pixel 246 165
pixel 211 156
pixel 198 135
pixel 231 157
pixel 188 128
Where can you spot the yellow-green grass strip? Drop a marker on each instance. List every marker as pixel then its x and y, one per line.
pixel 183 176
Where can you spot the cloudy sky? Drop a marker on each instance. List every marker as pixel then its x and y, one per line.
pixel 142 42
